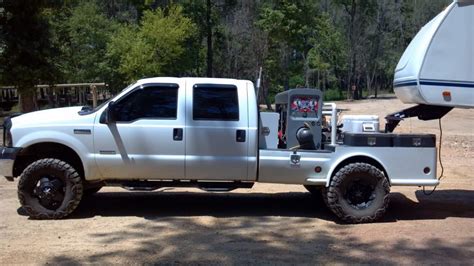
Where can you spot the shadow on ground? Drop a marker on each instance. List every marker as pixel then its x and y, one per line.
pixel 440 205
pixel 261 229
pixel 169 204
pixel 192 243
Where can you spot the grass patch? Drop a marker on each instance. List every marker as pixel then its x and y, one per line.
pixel 333 95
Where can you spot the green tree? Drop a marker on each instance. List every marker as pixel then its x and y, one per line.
pixel 291 27
pixel 155 47
pixel 358 16
pixel 208 16
pixel 26 52
pixel 240 46
pixel 328 54
pixel 82 33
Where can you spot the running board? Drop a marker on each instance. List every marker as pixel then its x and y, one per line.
pixel 211 186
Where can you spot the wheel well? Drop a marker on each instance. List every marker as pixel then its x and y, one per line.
pixel 360 159
pixel 47 150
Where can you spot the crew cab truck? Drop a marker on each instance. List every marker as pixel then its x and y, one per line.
pixel 209 133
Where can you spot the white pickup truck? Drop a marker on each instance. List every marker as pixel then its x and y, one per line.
pixel 208 133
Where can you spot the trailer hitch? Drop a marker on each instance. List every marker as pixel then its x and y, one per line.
pixel 422 111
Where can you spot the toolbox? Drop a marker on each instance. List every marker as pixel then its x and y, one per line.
pixel 368 139
pixel 413 140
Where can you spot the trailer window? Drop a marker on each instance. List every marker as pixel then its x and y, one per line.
pixel 215 102
pixel 149 103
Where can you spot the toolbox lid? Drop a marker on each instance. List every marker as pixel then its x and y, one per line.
pixel 389 140
pixel 368 139
pixel 414 140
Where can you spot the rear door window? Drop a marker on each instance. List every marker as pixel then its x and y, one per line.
pixel 215 102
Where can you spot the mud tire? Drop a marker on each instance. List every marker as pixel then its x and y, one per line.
pixel 72 184
pixel 340 192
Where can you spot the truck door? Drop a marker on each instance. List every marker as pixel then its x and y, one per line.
pixel 147 140
pixel 216 131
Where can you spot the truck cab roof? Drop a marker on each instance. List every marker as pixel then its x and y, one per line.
pixel 190 80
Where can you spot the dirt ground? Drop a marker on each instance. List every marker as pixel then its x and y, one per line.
pixel 269 224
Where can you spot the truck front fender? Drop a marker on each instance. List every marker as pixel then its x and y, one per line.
pixel 72 142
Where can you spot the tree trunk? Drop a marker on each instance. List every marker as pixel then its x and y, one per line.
pixel 375 89
pixel 49 92
pixel 352 45
pixel 209 38
pixel 318 79
pixel 369 82
pixel 307 70
pixel 325 78
pixel 268 102
pixel 27 101
pixel 286 66
pixel 265 85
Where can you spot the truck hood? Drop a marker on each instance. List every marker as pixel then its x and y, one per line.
pixel 53 116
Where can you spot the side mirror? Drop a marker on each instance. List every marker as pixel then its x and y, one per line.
pixel 110 115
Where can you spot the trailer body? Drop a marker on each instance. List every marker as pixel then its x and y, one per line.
pixel 437 68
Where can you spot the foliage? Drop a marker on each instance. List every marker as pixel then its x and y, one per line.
pixel 291 27
pixel 155 47
pixel 330 44
pixel 26 53
pixel 333 95
pixel 328 54
pixel 82 34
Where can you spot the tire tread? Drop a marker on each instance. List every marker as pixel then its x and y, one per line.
pixel 332 197
pixel 72 176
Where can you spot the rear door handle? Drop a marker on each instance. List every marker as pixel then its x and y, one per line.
pixel 240 135
pixel 177 134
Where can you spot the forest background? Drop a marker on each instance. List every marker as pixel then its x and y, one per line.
pixel 335 45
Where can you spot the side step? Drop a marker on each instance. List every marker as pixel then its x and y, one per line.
pixel 210 186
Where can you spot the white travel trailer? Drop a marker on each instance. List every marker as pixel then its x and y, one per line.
pixel 437 68
pixel 436 71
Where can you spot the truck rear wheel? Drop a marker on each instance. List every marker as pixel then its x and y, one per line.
pixel 49 189
pixel 358 193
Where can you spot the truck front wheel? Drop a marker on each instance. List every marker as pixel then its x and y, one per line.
pixel 358 193
pixel 49 189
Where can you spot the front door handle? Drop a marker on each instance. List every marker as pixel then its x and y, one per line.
pixel 240 135
pixel 177 134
